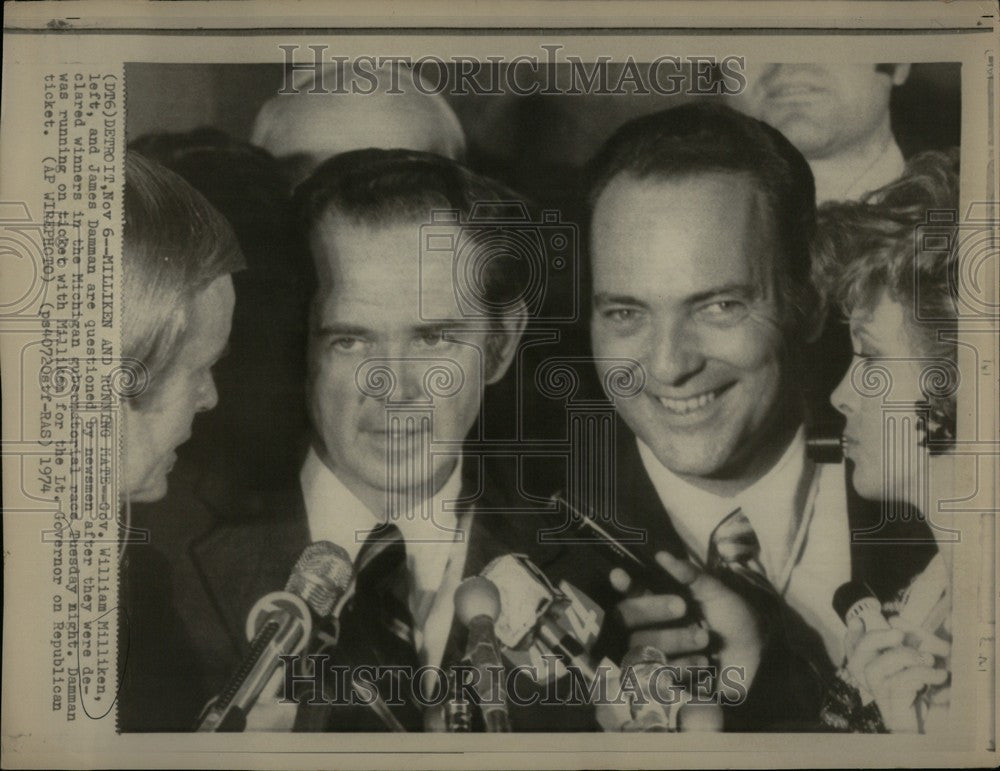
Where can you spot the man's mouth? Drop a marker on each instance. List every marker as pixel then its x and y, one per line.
pixel 691 404
pixel 397 433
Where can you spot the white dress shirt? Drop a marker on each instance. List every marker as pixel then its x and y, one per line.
pixel 436 545
pixel 798 511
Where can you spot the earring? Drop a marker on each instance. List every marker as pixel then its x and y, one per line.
pixel 938 430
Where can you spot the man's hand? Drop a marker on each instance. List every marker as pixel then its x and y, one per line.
pixel 726 614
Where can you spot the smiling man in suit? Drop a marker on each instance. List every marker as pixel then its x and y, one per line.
pixel 701 221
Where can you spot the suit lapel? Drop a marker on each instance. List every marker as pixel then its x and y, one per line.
pixel 240 561
pixel 638 504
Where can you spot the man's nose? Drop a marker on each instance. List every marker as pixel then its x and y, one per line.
pixel 676 354
pixel 408 378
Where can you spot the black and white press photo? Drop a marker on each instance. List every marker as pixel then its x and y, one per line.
pixel 625 386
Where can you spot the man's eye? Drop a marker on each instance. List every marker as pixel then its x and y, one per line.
pixel 432 339
pixel 724 310
pixel 621 315
pixel 345 344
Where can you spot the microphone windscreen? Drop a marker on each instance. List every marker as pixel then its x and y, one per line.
pixel 847 595
pixel 525 596
pixel 321 575
pixel 477 596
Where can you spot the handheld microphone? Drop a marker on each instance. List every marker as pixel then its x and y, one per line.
pixel 477 605
pixel 280 623
pixel 640 665
pixel 457 712
pixel 824 442
pixel 855 600
pixel 561 621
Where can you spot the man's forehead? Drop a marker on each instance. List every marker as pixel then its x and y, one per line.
pixel 383 265
pixel 714 222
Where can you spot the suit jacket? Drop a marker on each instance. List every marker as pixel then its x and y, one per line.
pixel 788 689
pixel 218 551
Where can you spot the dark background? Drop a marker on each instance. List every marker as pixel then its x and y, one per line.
pixel 537 144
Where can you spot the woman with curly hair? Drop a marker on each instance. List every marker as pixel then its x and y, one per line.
pixel 890 262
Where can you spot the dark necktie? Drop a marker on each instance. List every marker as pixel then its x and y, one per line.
pixel 381 599
pixel 376 630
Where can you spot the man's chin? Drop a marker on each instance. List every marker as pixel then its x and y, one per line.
pixel 696 458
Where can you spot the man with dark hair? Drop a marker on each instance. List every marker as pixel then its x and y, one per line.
pixel 701 220
pixel 386 307
pixel 416 311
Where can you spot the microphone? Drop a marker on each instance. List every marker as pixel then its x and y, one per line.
pixel 279 624
pixel 477 605
pixel 560 621
pixel 541 625
pixel 824 442
pixel 639 666
pixel 457 713
pixel 855 600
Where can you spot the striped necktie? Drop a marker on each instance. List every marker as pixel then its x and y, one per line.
pixel 734 548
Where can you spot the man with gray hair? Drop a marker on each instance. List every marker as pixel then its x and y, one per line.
pixel 303 129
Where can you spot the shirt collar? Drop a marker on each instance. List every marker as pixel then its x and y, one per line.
pixel 335 514
pixel 888 166
pixel 773 504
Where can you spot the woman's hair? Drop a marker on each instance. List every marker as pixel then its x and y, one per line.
pixel 901 240
pixel 176 244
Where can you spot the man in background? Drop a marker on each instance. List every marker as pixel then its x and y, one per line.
pixel 304 129
pixel 837 116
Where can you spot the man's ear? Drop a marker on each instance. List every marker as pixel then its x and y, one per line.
pixel 502 343
pixel 901 73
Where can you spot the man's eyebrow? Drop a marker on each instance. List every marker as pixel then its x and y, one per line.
pixel 742 290
pixel 438 326
pixel 336 328
pixel 606 298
